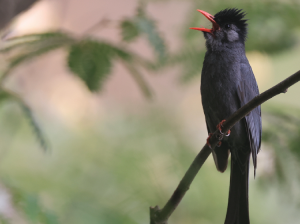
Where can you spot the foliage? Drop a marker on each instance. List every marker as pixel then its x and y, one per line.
pixel 129 30
pixel 91 61
pixel 142 24
pixel 148 27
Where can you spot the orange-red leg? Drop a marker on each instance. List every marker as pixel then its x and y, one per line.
pixel 219 127
pixel 208 143
pixel 207 140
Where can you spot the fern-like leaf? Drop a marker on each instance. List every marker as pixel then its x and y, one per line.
pixel 148 27
pixel 129 30
pixel 91 61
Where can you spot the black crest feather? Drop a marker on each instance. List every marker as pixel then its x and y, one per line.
pixel 233 16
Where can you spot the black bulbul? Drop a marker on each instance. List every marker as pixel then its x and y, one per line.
pixel 227 83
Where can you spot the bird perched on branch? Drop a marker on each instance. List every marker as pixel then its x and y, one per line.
pixel 227 83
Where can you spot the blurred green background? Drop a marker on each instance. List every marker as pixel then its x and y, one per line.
pixel 100 112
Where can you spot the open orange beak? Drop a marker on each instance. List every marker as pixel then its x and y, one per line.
pixel 210 18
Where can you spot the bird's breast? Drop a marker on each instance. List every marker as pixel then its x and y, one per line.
pixel 219 83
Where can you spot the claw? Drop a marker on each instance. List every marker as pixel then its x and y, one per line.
pixel 207 140
pixel 219 127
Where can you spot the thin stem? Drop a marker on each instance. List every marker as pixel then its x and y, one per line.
pixel 139 80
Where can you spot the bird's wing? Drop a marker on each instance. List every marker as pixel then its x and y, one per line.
pixel 247 90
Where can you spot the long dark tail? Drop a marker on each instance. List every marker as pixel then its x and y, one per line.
pixel 238 206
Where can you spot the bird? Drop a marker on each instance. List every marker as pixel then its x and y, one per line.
pixel 228 83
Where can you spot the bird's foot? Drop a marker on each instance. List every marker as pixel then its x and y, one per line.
pixel 207 140
pixel 219 127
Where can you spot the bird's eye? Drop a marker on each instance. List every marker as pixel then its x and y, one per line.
pixel 227 26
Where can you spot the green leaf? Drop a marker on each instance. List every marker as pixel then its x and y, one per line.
pixel 91 61
pixel 129 30
pixel 148 27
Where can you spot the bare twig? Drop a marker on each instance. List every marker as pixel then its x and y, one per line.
pixel 9 94
pixel 102 23
pixel 161 216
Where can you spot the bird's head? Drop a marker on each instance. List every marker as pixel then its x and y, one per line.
pixel 229 26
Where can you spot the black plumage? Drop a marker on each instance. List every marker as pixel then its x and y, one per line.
pixel 227 83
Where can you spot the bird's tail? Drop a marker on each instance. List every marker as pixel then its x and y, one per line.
pixel 238 207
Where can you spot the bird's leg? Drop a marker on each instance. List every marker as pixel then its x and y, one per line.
pixel 219 127
pixel 207 140
pixel 208 143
